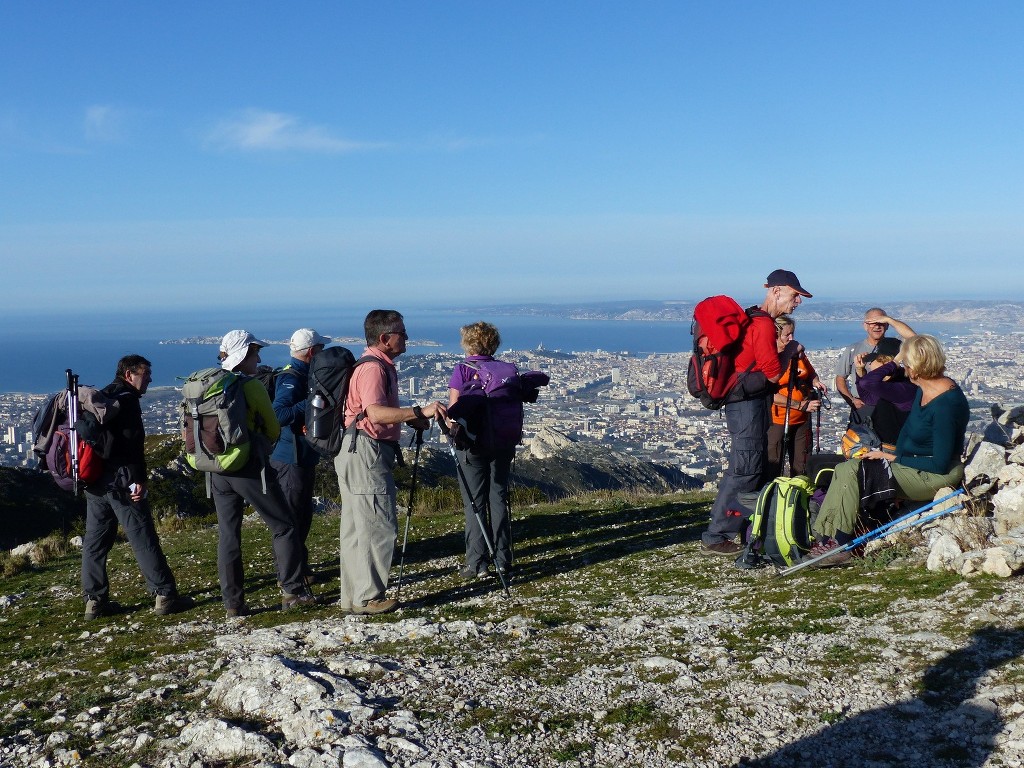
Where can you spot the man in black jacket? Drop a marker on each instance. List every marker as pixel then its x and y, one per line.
pixel 120 497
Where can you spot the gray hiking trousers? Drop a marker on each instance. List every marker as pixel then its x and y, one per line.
pixel 102 514
pixel 487 475
pixel 747 422
pixel 230 494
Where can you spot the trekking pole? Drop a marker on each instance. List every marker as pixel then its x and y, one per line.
pixel 817 431
pixel 882 531
pixel 476 510
pixel 72 407
pixel 408 510
pixel 785 428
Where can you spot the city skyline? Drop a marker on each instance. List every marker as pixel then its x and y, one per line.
pixel 532 152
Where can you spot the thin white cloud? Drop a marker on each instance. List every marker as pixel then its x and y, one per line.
pixel 257 130
pixel 104 123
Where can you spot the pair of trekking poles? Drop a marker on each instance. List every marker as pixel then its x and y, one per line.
pixel 477 513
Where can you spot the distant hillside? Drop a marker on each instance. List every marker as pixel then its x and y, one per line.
pixel 31 506
pixel 994 313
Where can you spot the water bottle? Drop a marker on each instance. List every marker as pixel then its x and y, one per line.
pixel 320 426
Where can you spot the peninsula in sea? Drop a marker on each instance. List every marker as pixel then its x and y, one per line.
pixel 995 314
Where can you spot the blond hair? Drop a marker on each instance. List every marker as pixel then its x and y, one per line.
pixel 781 322
pixel 480 338
pixel 924 354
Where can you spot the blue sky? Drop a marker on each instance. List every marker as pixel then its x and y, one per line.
pixel 397 153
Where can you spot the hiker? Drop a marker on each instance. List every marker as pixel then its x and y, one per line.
pixel 746 412
pixel 120 497
pixel 255 484
pixel 365 464
pixel 486 467
pixel 294 460
pixel 803 398
pixel 876 323
pixel 887 393
pixel 927 456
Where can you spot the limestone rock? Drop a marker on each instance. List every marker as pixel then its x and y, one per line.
pixel 216 740
pixel 1003 561
pixel 1008 505
pixel 943 553
pixel 985 463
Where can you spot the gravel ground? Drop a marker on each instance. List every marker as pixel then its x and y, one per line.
pixel 642 656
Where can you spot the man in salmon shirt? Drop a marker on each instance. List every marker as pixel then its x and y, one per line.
pixel 365 465
pixel 747 413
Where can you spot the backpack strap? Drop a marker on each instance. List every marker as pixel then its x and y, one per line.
pixel 362 414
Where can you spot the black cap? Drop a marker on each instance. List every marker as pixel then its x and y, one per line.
pixel 787 278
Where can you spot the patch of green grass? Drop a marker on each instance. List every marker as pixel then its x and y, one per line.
pixel 572 751
pixel 632 714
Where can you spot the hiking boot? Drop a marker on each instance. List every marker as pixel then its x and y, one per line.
pixel 237 612
pixel 374 607
pixel 840 557
pixel 289 601
pixel 95 608
pixel 721 548
pixel 468 574
pixel 167 604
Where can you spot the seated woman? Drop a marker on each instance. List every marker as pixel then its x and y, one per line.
pixel 797 394
pixel 927 454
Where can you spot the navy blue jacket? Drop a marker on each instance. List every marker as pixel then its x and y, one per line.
pixel 290 407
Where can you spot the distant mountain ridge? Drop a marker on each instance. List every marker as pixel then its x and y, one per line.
pixel 996 313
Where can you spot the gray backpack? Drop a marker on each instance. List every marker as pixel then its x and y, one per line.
pixel 214 421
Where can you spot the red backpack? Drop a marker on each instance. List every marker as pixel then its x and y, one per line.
pixel 718 327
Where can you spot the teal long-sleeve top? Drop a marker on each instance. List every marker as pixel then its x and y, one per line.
pixel 932 438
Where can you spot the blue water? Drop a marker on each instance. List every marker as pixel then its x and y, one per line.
pixel 36 352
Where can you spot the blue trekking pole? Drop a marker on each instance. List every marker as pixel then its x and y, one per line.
pixel 882 531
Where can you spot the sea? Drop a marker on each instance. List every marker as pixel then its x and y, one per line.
pixel 36 351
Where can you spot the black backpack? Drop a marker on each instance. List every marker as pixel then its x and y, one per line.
pixel 329 375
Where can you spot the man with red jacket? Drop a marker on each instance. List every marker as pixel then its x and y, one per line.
pixel 747 412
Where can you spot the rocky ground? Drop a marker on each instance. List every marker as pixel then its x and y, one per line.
pixel 620 644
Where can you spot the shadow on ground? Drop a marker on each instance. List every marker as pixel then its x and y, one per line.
pixel 558 543
pixel 948 725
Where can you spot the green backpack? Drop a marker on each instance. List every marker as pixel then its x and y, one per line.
pixel 214 421
pixel 780 529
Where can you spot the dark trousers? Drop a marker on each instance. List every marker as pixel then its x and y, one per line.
pixel 747 422
pixel 230 494
pixel 102 514
pixel 798 447
pixel 297 486
pixel 486 475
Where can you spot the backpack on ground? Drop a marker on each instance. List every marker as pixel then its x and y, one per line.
pixel 214 421
pixel 329 374
pixel 719 324
pixel 780 529
pixel 69 435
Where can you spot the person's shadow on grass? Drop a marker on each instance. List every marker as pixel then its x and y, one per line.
pixel 949 724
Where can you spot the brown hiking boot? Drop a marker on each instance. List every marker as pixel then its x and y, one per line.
pixel 168 604
pixel 374 607
pixel 294 601
pixel 721 548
